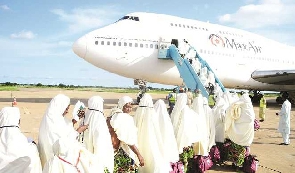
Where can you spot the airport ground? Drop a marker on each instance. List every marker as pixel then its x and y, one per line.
pixel 272 157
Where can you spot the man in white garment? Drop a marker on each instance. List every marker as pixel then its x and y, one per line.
pixel 71 157
pixel 170 151
pixel 149 139
pixel 17 155
pixel 184 121
pixel 124 135
pixel 54 126
pixel 97 138
pixel 284 124
pixel 239 121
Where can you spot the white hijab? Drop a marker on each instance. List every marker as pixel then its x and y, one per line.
pixel 54 126
pixel 97 138
pixel 16 154
pixel 167 133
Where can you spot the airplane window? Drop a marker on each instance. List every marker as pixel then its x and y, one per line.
pixel 141 45
pixel 151 45
pixel 125 44
pixel 136 44
pixel 102 42
pixel 130 44
pixel 119 44
pixel 96 42
pixel 114 43
pixel 179 25
pixel 187 26
pixel 146 46
pixel 192 27
pixel 108 43
pixel 201 51
pixel 183 26
pixel 171 24
pixel 156 46
pixel 196 28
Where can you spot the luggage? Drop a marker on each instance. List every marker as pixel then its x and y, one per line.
pixel 250 164
pixel 214 154
pixel 177 167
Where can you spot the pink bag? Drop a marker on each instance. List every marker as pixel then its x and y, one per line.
pixel 177 167
pixel 214 154
pixel 203 163
pixel 256 124
pixel 250 164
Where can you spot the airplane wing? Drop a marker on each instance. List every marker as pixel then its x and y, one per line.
pixel 281 77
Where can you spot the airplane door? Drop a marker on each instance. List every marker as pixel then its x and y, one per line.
pixel 164 45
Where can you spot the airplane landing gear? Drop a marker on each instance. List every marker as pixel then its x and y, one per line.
pixel 256 96
pixel 142 88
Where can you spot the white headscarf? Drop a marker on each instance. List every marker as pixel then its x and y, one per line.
pixel 54 126
pixel 121 103
pixel 14 146
pixel 149 138
pixel 167 133
pixel 97 138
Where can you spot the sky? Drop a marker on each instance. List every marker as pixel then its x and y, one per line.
pixel 36 36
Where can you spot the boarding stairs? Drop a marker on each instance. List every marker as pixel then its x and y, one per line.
pixel 195 71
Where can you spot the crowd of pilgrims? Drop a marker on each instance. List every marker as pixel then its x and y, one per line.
pixel 150 141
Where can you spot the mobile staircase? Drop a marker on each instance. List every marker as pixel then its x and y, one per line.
pixel 195 71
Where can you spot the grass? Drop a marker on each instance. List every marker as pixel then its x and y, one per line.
pixel 94 89
pixel 8 88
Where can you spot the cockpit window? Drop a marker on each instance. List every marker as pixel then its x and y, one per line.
pixel 130 18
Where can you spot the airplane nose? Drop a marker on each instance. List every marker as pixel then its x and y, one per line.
pixel 80 47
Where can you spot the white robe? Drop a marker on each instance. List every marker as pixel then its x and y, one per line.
pixel 170 151
pixel 239 121
pixel 149 143
pixel 184 123
pixel 54 126
pixel 17 155
pixel 284 124
pixel 97 137
pixel 71 157
pixel 201 147
pixel 126 131
pixel 219 118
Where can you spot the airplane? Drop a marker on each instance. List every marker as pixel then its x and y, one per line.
pixel 241 60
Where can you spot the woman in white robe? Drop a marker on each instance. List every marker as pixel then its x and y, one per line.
pixel 124 132
pixel 97 137
pixel 219 111
pixel 71 157
pixel 149 142
pixel 184 121
pixel 239 121
pixel 170 151
pixel 201 147
pixel 17 155
pixel 54 126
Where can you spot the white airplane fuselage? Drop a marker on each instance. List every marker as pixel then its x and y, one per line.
pixel 129 47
